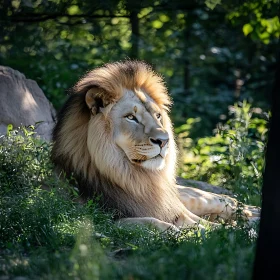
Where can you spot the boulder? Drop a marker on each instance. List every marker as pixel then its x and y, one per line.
pixel 202 186
pixel 22 102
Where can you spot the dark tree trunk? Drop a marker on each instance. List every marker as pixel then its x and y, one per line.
pixel 134 21
pixel 267 259
pixel 187 34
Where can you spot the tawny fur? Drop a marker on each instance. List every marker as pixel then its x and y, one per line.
pixel 128 188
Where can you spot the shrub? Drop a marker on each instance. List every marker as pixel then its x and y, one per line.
pixel 233 157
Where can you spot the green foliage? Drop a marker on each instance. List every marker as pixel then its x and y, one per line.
pixel 45 234
pixel 24 166
pixel 264 24
pixel 233 157
pixel 202 52
pixel 211 4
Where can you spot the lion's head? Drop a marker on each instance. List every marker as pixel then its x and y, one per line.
pixel 139 127
pixel 115 135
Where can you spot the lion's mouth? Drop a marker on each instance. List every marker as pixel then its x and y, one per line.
pixel 143 160
pixel 137 160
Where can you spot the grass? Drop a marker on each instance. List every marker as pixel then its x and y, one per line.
pixel 45 234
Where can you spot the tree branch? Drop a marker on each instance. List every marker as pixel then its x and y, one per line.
pixel 40 17
pixel 44 17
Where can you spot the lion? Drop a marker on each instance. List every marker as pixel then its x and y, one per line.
pixel 115 136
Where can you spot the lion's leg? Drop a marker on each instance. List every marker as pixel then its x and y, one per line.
pixel 161 225
pixel 186 219
pixel 205 203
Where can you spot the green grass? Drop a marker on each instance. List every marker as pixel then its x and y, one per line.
pixel 45 234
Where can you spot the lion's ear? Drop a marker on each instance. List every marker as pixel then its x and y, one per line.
pixel 96 98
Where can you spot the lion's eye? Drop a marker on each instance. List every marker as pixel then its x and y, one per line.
pixel 131 117
pixel 158 116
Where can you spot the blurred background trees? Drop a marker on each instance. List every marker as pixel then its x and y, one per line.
pixel 212 54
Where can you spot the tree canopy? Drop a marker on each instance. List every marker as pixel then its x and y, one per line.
pixel 209 57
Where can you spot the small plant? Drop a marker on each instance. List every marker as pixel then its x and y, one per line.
pixel 24 160
pixel 233 157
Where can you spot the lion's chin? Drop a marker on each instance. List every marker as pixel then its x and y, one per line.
pixel 156 163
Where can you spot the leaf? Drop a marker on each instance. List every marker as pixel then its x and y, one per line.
pixel 247 28
pixel 157 24
pixel 164 18
pixel 73 10
pixel 9 129
pixel 211 4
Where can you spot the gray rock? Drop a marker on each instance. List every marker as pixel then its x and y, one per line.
pixel 202 186
pixel 22 102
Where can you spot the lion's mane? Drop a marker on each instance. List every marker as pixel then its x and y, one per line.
pixel 128 188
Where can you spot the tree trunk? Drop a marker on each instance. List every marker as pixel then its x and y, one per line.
pixel 267 259
pixel 186 34
pixel 134 21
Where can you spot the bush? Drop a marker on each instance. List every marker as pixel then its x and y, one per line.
pixel 233 157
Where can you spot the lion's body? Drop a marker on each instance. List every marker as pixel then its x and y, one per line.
pixel 115 136
pixel 128 188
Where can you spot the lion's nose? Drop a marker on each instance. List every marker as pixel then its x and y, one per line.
pixel 160 142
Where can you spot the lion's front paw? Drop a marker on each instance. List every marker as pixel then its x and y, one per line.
pixel 164 226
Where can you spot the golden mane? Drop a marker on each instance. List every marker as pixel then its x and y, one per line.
pixel 132 75
pixel 130 189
